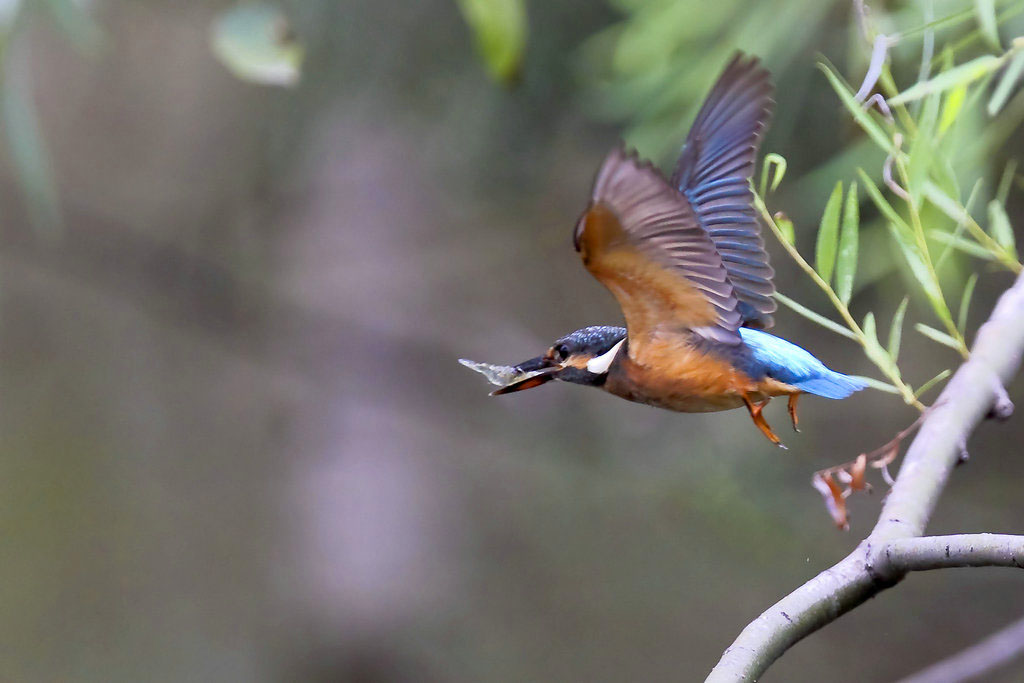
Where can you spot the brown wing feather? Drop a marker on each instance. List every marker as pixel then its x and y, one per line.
pixel 640 238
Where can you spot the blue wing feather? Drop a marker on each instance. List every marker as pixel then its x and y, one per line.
pixel 779 359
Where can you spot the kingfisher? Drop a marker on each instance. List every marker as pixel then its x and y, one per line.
pixel 685 260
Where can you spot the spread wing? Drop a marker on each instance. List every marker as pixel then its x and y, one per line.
pixel 642 240
pixel 714 172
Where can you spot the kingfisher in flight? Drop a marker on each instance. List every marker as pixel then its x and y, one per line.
pixel 685 260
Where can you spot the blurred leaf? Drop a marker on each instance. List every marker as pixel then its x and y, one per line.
pixel 907 242
pixel 28 151
pixel 873 349
pixel 945 203
pixel 965 302
pixel 255 43
pixel 814 317
pixel 986 11
pixel 896 329
pixel 773 166
pixel 1003 190
pixel 499 27
pixel 785 227
pixel 958 75
pixel 76 23
pixel 951 108
pixel 932 382
pixel 846 261
pixel 1006 82
pixel 828 235
pixel 883 204
pixel 963 244
pixel 961 225
pixel 857 111
pixel 999 227
pixel 923 149
pixel 937 336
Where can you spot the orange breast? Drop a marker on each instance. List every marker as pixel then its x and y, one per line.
pixel 675 375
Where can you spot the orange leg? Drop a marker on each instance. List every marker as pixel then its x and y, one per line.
pixel 755 414
pixel 792 411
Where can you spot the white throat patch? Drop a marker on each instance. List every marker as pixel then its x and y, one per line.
pixel 600 364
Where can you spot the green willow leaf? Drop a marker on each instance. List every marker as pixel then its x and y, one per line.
pixel 937 336
pixel 814 317
pixel 1006 82
pixel 856 110
pixel 896 329
pixel 846 260
pixel 963 244
pixel 932 382
pixel 958 75
pixel 986 11
pixel 873 349
pixel 951 107
pixel 499 27
pixel 828 235
pixel 875 384
pixel 965 302
pixel 999 227
pixel 785 227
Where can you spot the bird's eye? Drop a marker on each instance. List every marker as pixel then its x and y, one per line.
pixel 562 351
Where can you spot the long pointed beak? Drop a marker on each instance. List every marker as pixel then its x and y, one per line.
pixel 541 371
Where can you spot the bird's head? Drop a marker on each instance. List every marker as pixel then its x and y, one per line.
pixel 582 357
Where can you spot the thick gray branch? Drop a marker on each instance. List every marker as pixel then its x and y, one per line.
pixel 962 550
pixel 934 453
pixel 980 659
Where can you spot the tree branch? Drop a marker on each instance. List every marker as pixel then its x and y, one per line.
pixel 963 550
pixel 935 451
pixel 995 651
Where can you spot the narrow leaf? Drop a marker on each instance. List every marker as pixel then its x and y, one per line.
pixel 937 336
pixel 958 75
pixel 785 227
pixel 965 302
pixel 815 317
pixel 857 111
pixel 932 382
pixel 883 205
pixel 828 235
pixel 1006 82
pixel 873 349
pixel 963 244
pixel 876 384
pixel 499 27
pixel 999 227
pixel 945 203
pixel 896 329
pixel 951 107
pixel 986 11
pixel 846 261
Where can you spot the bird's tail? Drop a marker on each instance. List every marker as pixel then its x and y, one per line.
pixel 831 384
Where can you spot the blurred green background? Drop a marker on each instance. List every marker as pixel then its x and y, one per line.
pixel 235 443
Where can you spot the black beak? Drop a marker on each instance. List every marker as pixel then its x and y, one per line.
pixel 541 370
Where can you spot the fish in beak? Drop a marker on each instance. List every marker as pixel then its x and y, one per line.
pixel 526 375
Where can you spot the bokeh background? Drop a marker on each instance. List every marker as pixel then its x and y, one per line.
pixel 235 443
